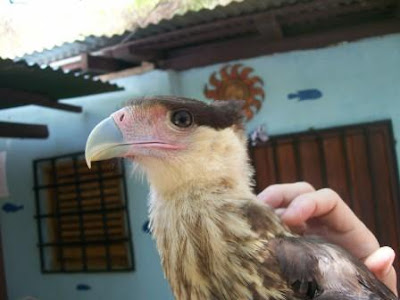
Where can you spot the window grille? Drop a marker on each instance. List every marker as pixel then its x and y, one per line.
pixel 82 217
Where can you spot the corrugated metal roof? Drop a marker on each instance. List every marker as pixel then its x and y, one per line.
pixel 180 18
pixel 89 44
pixel 192 18
pixel 55 84
pixel 186 19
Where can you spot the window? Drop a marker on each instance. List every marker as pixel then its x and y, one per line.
pixel 82 216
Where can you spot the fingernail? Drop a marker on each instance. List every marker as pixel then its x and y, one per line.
pixel 390 260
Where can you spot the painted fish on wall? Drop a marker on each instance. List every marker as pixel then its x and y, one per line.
pixel 11 207
pixel 83 287
pixel 309 94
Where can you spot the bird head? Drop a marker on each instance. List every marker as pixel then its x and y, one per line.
pixel 174 140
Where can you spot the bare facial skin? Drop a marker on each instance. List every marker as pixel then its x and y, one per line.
pixel 307 210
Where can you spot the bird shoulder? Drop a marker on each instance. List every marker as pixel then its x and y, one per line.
pixel 317 269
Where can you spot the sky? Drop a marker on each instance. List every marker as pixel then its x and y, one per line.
pixel 34 25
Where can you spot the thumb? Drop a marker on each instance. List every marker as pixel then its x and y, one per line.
pixel 380 263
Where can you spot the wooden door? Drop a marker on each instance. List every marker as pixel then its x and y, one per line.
pixel 3 286
pixel 358 162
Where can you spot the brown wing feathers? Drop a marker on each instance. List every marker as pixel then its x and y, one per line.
pixel 312 268
pixel 303 262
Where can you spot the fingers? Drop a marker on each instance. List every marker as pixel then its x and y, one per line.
pixel 380 263
pixel 322 213
pixel 280 195
pixel 299 202
pixel 327 215
pixel 326 205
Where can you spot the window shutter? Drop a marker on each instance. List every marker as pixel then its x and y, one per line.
pixel 86 220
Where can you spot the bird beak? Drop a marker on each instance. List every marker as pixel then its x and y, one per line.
pixel 104 142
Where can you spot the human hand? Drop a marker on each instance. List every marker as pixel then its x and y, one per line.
pixel 323 213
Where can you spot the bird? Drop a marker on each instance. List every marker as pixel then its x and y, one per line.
pixel 215 240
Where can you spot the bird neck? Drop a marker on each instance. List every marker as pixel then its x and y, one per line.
pixel 197 218
pixel 217 160
pixel 207 245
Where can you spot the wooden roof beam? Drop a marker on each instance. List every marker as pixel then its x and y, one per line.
pixel 237 25
pixel 256 45
pixel 100 64
pixel 12 98
pixel 103 64
pixel 131 54
pixel 269 27
pixel 272 25
pixel 366 8
pixel 21 130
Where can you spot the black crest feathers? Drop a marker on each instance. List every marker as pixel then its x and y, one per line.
pixel 219 114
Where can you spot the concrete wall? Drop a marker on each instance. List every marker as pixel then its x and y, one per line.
pixel 360 82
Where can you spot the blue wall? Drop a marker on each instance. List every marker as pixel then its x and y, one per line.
pixel 360 82
pixel 68 133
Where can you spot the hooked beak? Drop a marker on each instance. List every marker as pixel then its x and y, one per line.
pixel 104 142
pixel 107 140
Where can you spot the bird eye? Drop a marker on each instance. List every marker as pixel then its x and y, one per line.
pixel 182 118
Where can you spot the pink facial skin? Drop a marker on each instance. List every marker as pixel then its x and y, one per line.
pixel 148 131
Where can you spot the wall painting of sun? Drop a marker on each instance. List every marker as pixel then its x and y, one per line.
pixel 235 83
